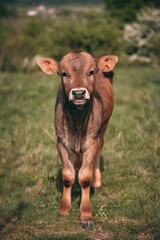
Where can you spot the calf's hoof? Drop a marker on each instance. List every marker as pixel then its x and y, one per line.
pixel 87 224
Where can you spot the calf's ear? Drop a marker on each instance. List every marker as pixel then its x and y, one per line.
pixel 48 65
pixel 107 63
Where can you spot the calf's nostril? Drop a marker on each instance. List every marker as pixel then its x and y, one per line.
pixel 83 93
pixel 79 93
pixel 74 93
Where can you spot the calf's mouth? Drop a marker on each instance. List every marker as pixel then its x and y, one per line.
pixel 79 96
pixel 79 102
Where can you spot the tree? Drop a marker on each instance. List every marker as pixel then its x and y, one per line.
pixel 126 10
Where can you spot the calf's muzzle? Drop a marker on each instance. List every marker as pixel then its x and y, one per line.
pixel 79 95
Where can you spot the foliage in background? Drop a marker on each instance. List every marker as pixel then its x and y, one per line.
pixel 55 37
pixel 100 31
pixel 126 10
pixel 6 11
pixel 94 36
pixel 144 35
pixel 50 2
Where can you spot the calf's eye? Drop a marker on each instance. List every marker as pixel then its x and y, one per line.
pixel 91 73
pixel 64 74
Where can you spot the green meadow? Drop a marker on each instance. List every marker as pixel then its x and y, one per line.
pixel 128 205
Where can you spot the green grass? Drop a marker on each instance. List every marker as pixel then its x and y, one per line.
pixel 127 206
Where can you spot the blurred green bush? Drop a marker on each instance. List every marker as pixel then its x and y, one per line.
pixel 25 39
pixel 55 37
pixel 93 35
pixel 126 11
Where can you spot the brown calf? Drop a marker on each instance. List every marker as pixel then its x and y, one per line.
pixel 83 108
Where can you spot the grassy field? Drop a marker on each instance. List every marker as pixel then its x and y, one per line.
pixel 127 206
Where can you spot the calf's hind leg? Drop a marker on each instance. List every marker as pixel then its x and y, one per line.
pixel 68 177
pixel 96 182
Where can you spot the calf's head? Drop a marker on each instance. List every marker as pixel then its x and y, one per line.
pixel 78 70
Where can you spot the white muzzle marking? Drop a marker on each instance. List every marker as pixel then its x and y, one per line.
pixel 79 101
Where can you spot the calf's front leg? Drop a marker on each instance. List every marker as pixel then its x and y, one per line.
pixel 68 177
pixel 85 180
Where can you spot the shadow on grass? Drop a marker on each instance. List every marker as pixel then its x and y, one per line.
pixel 15 211
pixel 76 189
